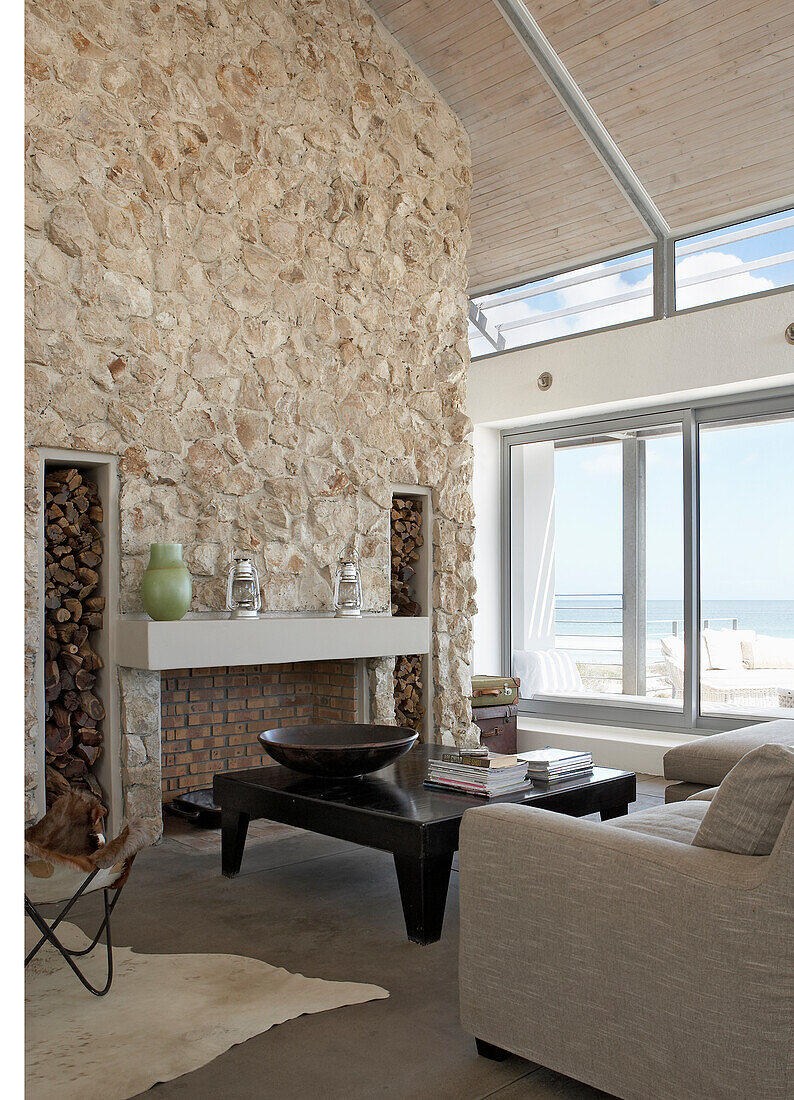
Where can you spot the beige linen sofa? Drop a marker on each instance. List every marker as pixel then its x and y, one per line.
pixel 623 956
pixel 706 761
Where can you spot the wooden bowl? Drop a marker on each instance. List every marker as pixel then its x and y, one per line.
pixel 337 750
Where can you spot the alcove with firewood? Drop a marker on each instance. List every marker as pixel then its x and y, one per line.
pixel 411 595
pixel 78 742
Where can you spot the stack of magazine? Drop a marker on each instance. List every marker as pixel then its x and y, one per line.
pixel 553 765
pixel 478 772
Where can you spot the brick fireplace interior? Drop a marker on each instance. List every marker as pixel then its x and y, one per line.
pixel 210 717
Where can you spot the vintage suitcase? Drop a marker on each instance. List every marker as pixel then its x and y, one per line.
pixel 493 691
pixel 498 727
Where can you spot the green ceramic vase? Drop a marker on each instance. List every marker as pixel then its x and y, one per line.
pixel 167 588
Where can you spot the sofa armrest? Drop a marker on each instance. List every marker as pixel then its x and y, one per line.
pixel 579 941
pixel 525 835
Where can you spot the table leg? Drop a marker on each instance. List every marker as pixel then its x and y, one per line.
pixel 234 828
pixel 614 811
pixel 423 890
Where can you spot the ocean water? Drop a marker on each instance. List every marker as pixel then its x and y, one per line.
pixel 591 627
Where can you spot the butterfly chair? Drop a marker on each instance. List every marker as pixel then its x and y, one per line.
pixel 65 857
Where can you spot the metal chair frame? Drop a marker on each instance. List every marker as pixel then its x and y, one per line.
pixel 48 934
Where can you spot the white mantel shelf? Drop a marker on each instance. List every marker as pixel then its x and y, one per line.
pixel 210 641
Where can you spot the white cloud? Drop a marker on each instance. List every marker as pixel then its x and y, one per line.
pixel 716 290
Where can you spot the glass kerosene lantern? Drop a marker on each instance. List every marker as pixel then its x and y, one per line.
pixel 348 599
pixel 243 597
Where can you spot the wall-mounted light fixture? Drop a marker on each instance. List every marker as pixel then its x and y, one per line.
pixel 544 381
pixel 790 333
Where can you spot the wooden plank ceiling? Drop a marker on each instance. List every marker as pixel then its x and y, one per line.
pixel 697 94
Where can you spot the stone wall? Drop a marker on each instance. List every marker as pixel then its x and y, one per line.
pixel 247 224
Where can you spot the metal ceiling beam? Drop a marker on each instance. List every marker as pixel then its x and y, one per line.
pixel 534 41
pixel 485 328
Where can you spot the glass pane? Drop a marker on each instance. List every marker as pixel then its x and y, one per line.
pixel 665 566
pixel 597 567
pixel 746 577
pixel 741 259
pixel 597 296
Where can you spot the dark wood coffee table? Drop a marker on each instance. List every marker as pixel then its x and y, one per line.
pixel 393 811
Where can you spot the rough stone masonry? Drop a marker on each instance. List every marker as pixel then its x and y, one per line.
pixel 247 223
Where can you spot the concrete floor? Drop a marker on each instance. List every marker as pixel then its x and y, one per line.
pixel 329 909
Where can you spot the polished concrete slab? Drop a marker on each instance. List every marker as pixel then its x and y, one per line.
pixel 327 909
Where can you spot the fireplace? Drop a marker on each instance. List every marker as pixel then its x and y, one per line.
pixel 210 717
pixel 194 693
pixel 177 702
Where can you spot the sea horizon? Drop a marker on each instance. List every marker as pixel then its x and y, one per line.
pixel 598 617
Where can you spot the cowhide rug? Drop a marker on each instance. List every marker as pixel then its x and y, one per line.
pixel 164 1015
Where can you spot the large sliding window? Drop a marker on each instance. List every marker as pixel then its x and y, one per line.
pixel 629 538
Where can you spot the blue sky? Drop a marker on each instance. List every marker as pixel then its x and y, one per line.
pixel 747 515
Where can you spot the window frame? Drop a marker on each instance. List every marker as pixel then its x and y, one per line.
pixel 690 416
pixel 663 284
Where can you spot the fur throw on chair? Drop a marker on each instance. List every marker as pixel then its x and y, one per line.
pixel 66 857
pixel 70 835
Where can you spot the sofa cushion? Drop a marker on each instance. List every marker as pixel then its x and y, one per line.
pixel 679 821
pixel 725 647
pixel 768 652
pixel 673 647
pixel 545 671
pixel 709 759
pixel 752 802
pixel 673 650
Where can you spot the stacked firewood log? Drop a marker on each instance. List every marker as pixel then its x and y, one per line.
pixel 408 708
pixel 406 541
pixel 73 612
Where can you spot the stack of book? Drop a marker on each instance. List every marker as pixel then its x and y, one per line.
pixel 478 772
pixel 553 765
